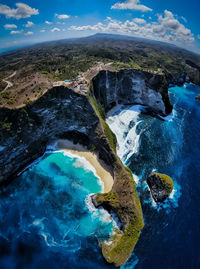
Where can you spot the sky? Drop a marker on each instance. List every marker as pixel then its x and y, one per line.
pixel 34 21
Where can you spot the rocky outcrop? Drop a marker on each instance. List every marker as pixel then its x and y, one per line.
pixel 25 132
pixel 183 78
pixel 130 87
pixel 160 186
pixel 62 113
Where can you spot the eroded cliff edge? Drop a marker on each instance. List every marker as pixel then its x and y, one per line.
pixel 132 87
pixel 62 113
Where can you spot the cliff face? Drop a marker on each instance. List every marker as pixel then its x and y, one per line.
pixel 160 186
pixel 25 132
pixel 133 87
pixel 62 113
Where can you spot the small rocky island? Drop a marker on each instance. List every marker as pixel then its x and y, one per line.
pixel 63 113
pixel 41 100
pixel 160 186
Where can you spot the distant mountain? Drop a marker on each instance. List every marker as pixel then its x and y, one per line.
pixel 39 66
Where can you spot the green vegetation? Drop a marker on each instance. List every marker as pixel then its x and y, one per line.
pixel 57 61
pixel 44 72
pixel 110 136
pixel 124 241
pixel 5 94
pixel 123 200
pixel 92 147
pixel 129 65
pixel 27 101
pixel 99 109
pixel 123 244
pixel 6 126
pixel 7 97
pixel 166 181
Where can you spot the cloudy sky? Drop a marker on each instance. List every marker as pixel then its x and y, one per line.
pixel 33 21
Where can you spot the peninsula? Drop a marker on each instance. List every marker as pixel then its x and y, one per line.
pixel 46 102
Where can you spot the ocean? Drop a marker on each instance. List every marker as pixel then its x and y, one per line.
pixel 46 214
pixel 171 235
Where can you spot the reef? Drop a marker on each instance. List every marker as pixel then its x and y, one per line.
pixel 160 186
pixel 61 113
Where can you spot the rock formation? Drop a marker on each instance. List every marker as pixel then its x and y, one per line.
pixel 160 186
pixel 62 113
pixel 130 87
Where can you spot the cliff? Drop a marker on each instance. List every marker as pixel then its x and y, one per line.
pixel 160 186
pixel 62 113
pixel 133 86
pixel 25 132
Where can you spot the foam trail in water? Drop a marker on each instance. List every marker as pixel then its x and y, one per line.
pixel 124 123
pixel 169 203
pixel 82 162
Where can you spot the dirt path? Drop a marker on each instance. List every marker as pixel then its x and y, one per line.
pixel 9 84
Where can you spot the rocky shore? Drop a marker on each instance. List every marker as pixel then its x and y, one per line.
pixel 63 114
pixel 160 186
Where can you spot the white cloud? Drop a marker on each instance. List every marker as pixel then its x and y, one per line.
pixel 166 28
pixel 42 31
pixel 22 11
pixel 62 16
pixel 10 26
pixel 15 32
pixel 29 24
pixel 132 5
pixel 139 21
pixel 29 33
pixel 48 22
pixel 55 30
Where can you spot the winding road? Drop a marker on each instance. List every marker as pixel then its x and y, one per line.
pixel 9 84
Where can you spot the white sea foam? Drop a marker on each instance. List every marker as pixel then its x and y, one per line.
pixel 84 163
pixel 100 212
pixel 169 203
pixel 31 165
pixel 120 123
pixel 168 117
pixel 136 178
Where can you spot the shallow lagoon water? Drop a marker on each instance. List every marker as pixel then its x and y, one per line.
pixel 48 220
pixel 47 217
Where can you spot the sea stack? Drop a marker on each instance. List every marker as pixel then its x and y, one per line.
pixel 160 186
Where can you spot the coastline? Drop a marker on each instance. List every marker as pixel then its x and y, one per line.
pixel 102 170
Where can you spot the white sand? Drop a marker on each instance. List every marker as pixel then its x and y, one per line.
pixel 102 170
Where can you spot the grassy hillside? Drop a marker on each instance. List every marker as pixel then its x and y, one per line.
pixel 37 67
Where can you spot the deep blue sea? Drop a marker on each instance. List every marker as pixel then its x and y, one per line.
pixel 46 215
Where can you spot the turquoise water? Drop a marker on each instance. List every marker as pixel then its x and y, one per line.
pixel 47 218
pixel 47 212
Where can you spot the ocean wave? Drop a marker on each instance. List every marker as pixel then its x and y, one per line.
pixel 83 163
pixel 124 123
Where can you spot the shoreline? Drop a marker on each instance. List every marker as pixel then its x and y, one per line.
pixel 102 170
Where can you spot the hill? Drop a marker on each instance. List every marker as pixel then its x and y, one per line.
pixel 31 71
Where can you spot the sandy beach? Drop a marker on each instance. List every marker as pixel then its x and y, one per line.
pixel 102 170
